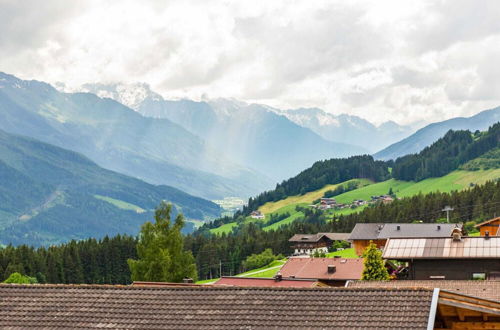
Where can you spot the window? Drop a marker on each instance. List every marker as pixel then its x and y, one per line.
pixel 478 276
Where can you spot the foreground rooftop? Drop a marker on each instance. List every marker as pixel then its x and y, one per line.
pixel 190 307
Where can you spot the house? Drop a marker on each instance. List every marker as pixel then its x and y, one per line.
pixel 450 258
pixel 490 227
pixel 363 233
pixel 257 215
pixel 277 281
pixel 225 307
pixel 309 243
pixel 481 289
pixel 327 201
pixel 330 271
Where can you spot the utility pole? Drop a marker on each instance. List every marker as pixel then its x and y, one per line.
pixel 447 209
pixel 220 268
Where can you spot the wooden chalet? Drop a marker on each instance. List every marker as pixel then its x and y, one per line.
pixel 307 244
pixel 451 258
pixel 257 215
pixel 379 233
pixel 490 227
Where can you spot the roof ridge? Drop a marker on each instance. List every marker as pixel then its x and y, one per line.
pixel 198 287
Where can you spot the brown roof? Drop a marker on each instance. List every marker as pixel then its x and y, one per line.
pixel 318 236
pixel 93 306
pixel 487 222
pixel 442 248
pixel 481 289
pixel 317 268
pixel 266 282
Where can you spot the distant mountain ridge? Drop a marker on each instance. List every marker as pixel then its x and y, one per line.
pixel 431 133
pixel 250 134
pixel 344 127
pixel 50 195
pixel 116 137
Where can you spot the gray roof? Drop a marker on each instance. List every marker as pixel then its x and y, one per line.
pixel 374 231
pixel 366 231
pixel 442 248
pixel 316 237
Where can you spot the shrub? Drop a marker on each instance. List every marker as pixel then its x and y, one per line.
pixel 261 260
pixel 20 279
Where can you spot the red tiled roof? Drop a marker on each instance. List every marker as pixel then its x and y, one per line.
pixel 317 268
pixel 266 282
pixel 214 307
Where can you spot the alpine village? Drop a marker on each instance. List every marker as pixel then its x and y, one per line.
pixel 170 169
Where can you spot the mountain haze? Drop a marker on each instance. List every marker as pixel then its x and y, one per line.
pixel 250 134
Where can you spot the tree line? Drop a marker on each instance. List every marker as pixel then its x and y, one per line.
pixel 94 261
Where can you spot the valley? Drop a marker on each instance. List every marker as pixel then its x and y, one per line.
pixel 454 181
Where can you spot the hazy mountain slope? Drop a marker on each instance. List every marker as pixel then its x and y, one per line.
pixel 346 128
pixel 118 138
pixel 252 135
pixel 49 194
pixel 431 133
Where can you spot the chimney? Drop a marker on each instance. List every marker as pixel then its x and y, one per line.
pixel 331 269
pixel 398 227
pixel 278 277
pixel 187 280
pixel 439 227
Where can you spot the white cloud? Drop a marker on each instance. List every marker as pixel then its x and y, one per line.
pixel 398 60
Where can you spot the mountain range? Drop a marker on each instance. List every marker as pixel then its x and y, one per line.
pixel 118 138
pixel 49 195
pixel 344 127
pixel 431 133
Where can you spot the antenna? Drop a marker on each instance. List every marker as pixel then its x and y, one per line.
pixel 447 209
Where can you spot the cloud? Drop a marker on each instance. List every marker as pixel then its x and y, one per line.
pixel 399 60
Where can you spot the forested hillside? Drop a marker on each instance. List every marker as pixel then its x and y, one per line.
pixel 322 173
pixel 446 154
pixel 50 195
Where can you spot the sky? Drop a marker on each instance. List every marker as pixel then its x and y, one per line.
pixel 406 61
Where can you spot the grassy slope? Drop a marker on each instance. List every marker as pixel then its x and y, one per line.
pixel 308 198
pixel 121 204
pixel 456 180
pixel 347 253
pixel 226 228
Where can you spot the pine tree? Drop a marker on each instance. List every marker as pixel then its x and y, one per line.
pixel 374 269
pixel 160 249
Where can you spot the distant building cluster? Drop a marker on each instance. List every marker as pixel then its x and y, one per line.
pixel 331 203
